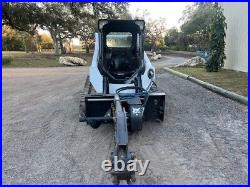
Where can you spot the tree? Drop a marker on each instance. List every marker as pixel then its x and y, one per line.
pixel 196 23
pixel 217 40
pixel 86 34
pixel 87 15
pixel 63 20
pixel 28 17
pixel 155 31
pixel 22 17
pixel 46 41
pixel 142 14
pixel 110 10
pixel 57 19
pixel 171 37
pixel 11 40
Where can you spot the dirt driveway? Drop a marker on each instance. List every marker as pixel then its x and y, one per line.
pixel 202 141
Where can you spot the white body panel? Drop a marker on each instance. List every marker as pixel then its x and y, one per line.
pixel 96 78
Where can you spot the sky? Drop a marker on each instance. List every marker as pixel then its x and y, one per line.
pixel 171 11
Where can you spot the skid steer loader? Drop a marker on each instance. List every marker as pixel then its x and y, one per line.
pixel 120 88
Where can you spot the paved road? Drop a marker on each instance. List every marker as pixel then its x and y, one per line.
pixel 203 139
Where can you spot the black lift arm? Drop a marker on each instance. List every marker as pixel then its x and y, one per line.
pixel 121 144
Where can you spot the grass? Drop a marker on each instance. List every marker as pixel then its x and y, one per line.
pixel 6 60
pixel 228 79
pixel 23 59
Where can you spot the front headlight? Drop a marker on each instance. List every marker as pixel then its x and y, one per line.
pixel 151 73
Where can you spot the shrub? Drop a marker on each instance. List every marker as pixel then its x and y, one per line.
pixel 147 46
pixel 217 36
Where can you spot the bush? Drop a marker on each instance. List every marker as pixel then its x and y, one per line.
pixel 217 43
pixel 147 46
pixel 6 60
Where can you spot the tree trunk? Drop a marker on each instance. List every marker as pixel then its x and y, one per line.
pixel 62 47
pixel 87 46
pixel 70 40
pixel 87 49
pixel 56 47
pixel 38 48
pixel 55 42
pixel 24 44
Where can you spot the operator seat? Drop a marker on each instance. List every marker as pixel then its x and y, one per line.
pixel 122 64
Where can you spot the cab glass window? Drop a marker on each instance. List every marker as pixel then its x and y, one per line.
pixel 119 39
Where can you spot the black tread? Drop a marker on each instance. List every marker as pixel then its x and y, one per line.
pixel 82 108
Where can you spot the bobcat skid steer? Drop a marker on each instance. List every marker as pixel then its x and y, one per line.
pixel 120 88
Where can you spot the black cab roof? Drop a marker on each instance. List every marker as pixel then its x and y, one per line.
pixel 107 25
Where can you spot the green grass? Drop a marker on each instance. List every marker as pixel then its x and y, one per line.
pixel 23 59
pixel 6 60
pixel 228 79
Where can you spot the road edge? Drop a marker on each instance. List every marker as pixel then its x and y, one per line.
pixel 213 88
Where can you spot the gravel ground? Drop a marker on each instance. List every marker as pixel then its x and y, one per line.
pixel 169 61
pixel 202 141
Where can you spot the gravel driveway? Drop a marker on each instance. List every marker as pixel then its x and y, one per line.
pixel 169 61
pixel 202 141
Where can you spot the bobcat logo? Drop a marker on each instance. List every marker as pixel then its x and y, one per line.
pixel 137 111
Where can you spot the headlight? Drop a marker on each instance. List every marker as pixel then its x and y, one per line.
pixel 151 73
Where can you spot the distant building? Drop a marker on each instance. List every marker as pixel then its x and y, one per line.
pixel 236 14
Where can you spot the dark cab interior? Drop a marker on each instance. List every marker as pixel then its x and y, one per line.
pixel 121 49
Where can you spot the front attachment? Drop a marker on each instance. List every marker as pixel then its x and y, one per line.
pixel 97 107
pixel 127 112
pixel 121 157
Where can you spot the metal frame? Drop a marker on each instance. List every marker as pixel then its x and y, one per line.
pixel 154 109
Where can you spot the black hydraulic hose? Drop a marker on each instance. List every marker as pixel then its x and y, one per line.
pixel 144 91
pixel 135 88
pixel 130 88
